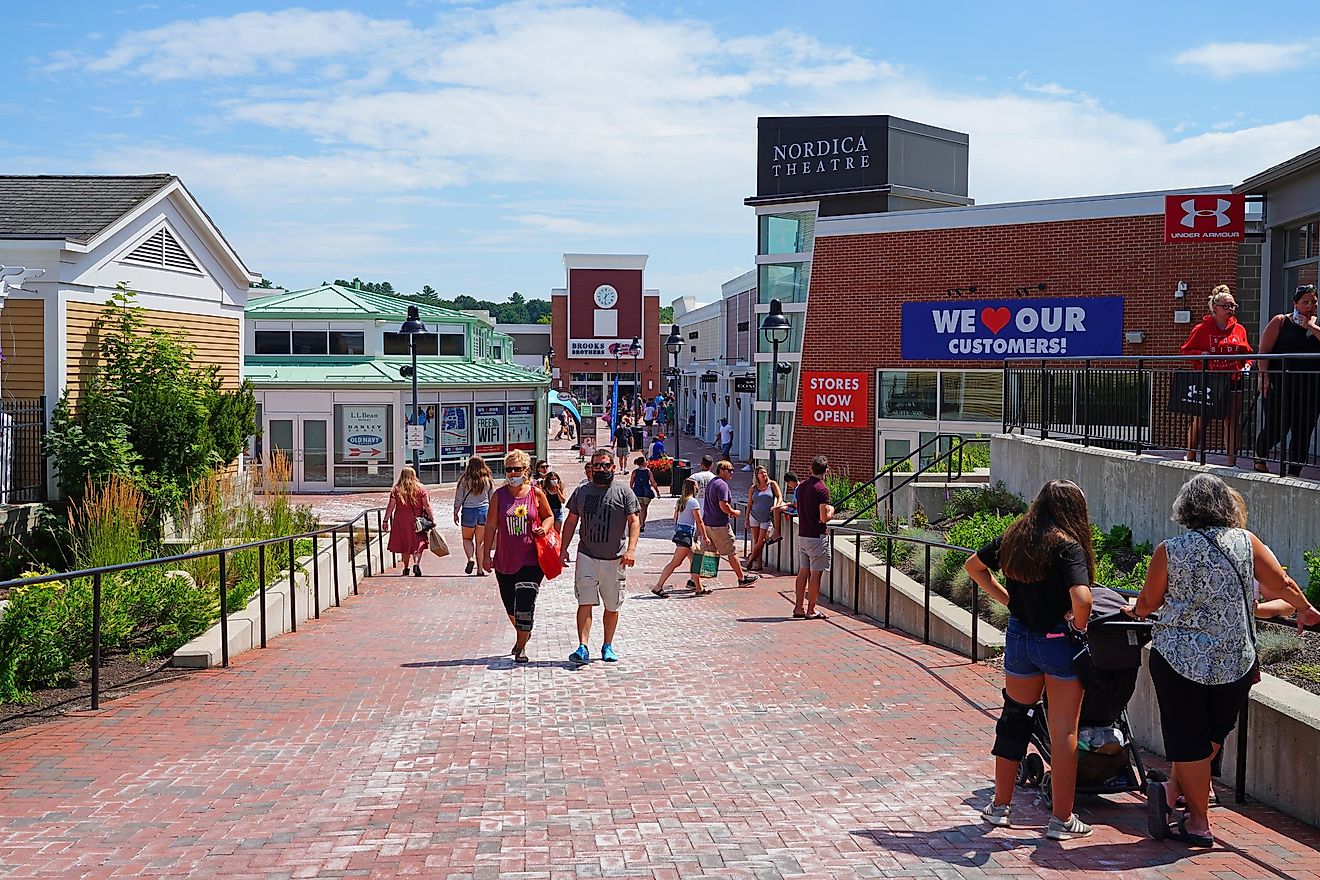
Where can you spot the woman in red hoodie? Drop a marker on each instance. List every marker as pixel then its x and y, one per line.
pixel 1220 333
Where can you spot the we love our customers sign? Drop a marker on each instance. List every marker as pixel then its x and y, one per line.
pixel 988 330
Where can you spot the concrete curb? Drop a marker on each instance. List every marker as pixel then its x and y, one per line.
pixel 245 626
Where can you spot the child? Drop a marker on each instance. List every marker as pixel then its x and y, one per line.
pixel 788 506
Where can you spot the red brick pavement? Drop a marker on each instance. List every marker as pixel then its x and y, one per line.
pixel 394 737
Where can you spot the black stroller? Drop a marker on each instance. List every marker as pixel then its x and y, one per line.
pixel 1108 762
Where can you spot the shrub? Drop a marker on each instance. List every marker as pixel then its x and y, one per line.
pixel 31 644
pixel 1312 558
pixel 974 532
pixel 1274 645
pixel 995 499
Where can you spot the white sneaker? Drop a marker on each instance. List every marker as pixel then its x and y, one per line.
pixel 1074 827
pixel 997 815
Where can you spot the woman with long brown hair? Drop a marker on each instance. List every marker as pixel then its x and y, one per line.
pixel 408 501
pixel 471 504
pixel 1048 565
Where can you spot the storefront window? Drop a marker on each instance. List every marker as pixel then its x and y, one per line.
pixel 271 342
pixel 790 233
pixel 971 396
pixel 364 441
pixel 312 342
pixel 908 394
pixel 347 342
pixel 787 282
pixel 427 344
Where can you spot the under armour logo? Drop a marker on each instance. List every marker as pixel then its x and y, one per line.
pixel 1219 212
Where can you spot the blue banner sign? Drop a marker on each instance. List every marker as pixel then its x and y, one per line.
pixel 991 330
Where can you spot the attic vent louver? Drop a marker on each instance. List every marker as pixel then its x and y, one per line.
pixel 162 249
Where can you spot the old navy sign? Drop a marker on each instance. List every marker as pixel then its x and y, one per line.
pixel 989 330
pixel 1220 217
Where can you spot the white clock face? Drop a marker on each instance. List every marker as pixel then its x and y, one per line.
pixel 606 296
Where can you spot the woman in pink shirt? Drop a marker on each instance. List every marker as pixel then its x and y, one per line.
pixel 519 514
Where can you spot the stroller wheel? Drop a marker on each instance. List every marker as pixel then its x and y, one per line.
pixel 1156 776
pixel 1030 771
pixel 1046 790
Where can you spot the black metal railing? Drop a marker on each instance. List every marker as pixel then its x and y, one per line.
pixel 337 532
pixel 925 465
pixel 22 457
pixel 1202 405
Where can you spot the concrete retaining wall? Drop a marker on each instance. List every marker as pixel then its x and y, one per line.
pixel 1138 491
pixel 245 626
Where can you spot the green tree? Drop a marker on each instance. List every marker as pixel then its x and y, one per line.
pixel 147 413
pixel 666 314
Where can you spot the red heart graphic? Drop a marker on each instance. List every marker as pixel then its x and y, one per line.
pixel 996 319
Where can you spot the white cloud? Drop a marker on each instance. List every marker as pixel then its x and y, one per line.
pixel 538 127
pixel 1232 59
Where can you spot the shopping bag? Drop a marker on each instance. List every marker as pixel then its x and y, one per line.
pixel 549 554
pixel 1194 394
pixel 704 564
pixel 436 542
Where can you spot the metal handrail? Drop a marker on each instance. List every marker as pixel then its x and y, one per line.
pixel 222 553
pixel 892 467
pixel 947 455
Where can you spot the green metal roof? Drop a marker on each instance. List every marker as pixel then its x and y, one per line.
pixel 319 372
pixel 333 301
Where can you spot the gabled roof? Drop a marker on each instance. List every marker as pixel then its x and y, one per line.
pixel 71 207
pixel 1264 180
pixel 335 301
pixel 383 371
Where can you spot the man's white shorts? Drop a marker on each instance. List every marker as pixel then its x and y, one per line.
pixel 599 581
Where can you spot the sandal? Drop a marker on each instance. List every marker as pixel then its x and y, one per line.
pixel 800 615
pixel 1178 831
pixel 1158 812
pixel 703 592
pixel 661 592
pixel 817 615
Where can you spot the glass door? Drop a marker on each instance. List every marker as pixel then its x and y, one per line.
pixel 304 443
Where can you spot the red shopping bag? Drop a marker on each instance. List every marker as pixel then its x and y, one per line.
pixel 549 548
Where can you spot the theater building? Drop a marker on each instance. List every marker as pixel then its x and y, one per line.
pixel 601 309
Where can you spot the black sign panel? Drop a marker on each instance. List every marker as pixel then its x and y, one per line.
pixel 709 378
pixel 820 154
pixel 744 384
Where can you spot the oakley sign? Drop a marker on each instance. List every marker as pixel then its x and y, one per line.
pixel 1205 218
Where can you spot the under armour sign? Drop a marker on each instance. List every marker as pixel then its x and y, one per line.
pixel 1205 218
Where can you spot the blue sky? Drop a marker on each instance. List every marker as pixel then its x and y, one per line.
pixel 468 146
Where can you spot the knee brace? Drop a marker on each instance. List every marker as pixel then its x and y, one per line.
pixel 1013 730
pixel 524 605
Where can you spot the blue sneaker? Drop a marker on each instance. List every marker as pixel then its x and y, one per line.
pixel 581 656
pixel 607 654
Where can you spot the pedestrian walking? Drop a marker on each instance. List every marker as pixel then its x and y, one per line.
pixel 1048 565
pixel 644 487
pixel 726 439
pixel 687 528
pixel 607 547
pixel 408 503
pixel 704 476
pixel 623 442
pixel 556 494
pixel 814 511
pixel 1203 658
pixel 718 513
pixel 648 415
pixel 762 498
pixel 471 504
pixel 521 514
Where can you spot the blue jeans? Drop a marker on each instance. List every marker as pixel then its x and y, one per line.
pixel 1029 654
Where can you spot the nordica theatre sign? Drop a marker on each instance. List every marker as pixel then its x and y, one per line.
pixel 818 154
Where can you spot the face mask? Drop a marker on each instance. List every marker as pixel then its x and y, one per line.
pixel 515 482
pixel 602 478
pixel 1298 319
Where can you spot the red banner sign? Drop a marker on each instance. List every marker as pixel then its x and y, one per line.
pixel 834 400
pixel 1205 218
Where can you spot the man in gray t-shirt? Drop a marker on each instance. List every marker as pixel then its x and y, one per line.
pixel 608 511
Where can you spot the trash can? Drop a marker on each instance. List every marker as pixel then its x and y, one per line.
pixel 679 471
pixel 638 439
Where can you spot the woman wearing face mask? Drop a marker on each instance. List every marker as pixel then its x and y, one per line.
pixel 1220 333
pixel 471 504
pixel 1292 400
pixel 520 513
pixel 553 487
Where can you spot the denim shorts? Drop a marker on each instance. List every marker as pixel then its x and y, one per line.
pixel 471 517
pixel 1028 653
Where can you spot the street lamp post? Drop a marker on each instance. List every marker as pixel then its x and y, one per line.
pixel 673 345
pixel 776 328
pixel 410 328
pixel 636 349
pixel 550 364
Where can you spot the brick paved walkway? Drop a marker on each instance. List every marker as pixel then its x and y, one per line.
pixel 394 737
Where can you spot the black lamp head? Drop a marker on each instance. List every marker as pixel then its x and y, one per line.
pixel 413 324
pixel 775 325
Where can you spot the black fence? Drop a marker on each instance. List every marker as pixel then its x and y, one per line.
pixel 22 461
pixel 1203 406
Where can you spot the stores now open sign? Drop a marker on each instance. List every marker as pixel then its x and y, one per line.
pixel 834 400
pixel 989 330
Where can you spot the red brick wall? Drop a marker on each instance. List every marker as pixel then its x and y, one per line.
pixel 858 285
pixel 648 365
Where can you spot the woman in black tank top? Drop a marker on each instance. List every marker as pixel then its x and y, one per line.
pixel 1292 397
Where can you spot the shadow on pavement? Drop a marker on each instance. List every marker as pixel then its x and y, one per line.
pixel 503 661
